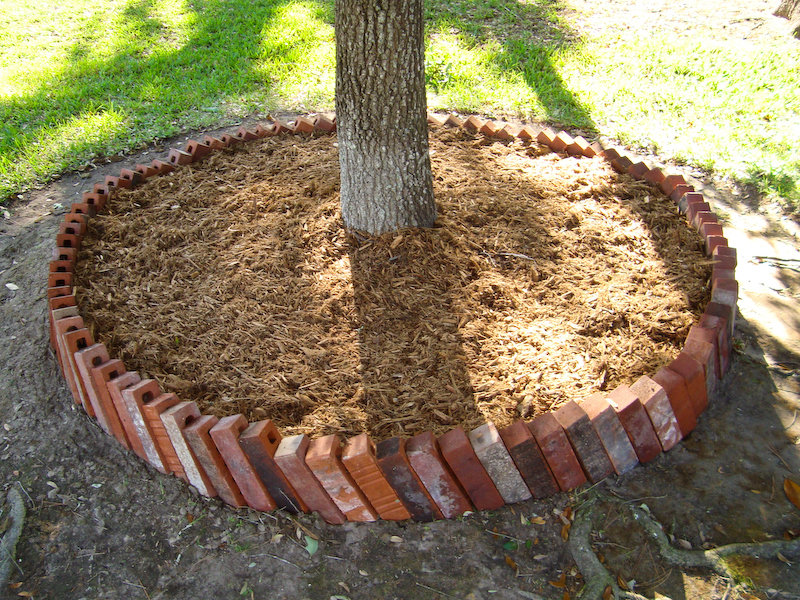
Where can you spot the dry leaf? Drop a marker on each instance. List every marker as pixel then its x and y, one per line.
pixel 792 491
pixel 623 585
pixel 15 586
pixel 190 517
pixel 565 531
pixel 537 521
pixel 565 596
pixel 608 593
pixel 782 558
pixel 561 582
pixel 684 544
pixel 25 594
pixel 510 562
pixel 396 539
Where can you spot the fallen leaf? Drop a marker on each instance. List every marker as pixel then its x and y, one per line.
pixel 566 596
pixel 623 585
pixel 561 582
pixel 537 521
pixel 782 558
pixel 189 517
pixel 312 545
pixel 608 593
pixel 12 286
pixel 344 586
pixel 792 491
pixel 25 594
pixel 276 538
pixel 540 557
pixel 565 531
pixel 683 544
pixel 396 539
pixel 362 572
pixel 510 545
pixel 510 562
pixel 15 586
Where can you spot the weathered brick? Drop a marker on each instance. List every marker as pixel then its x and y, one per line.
pixel 654 176
pixel 54 303
pixel 675 388
pixel 634 419
pixel 679 191
pixel 62 326
pixel 724 345
pixel 105 410
pixel 260 441
pixel 115 387
pixel 621 164
pixel 430 466
pixel 85 359
pixel 585 441
pixel 134 398
pixel 670 182
pixel 324 458
pixel 578 146
pixel 638 170
pixel 56 315
pixel 490 450
pixel 74 341
pixel 690 198
pixel 473 124
pixel 226 437
pixel 151 412
pixel 469 471
pixel 360 461
pixel 615 441
pixel 724 312
pixel 693 373
pixel 290 457
pixel 206 452
pixel 175 419
pixel 529 459
pixel 561 141
pixel 655 401
pixel 394 463
pixel 546 136
pixel 558 452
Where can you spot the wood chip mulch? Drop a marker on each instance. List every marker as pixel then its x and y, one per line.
pixel 547 278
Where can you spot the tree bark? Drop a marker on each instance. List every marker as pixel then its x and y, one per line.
pixel 381 118
pixel 790 9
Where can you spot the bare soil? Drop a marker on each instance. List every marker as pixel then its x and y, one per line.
pixel 547 278
pixel 101 524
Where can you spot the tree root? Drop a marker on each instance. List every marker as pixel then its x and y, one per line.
pixel 598 578
pixel 8 543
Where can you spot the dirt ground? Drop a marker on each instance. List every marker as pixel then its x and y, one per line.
pixel 101 524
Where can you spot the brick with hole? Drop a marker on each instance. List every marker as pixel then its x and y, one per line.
pixel 115 388
pixel 132 176
pixel 61 266
pixel 490 450
pixel 324 458
pixel 260 441
pixel 528 458
pixel 151 412
pixel 197 150
pixel 304 125
pixel 162 167
pixel 61 326
pixel 146 171
pixel 134 398
pixel 207 454
pixel 430 466
pixel 614 439
pixel 68 240
pixel 72 226
pixel 655 402
pixel 675 388
pixel 55 315
pixel 394 464
pixel 635 420
pixel 585 440
pixel 693 374
pixel 468 469
pixel 94 199
pixel 175 419
pixel 73 342
pixel 360 461
pixel 64 300
pixel 179 157
pixel 65 253
pixel 555 447
pixel 290 457
pixel 214 143
pixel 105 410
pixel 226 436
pixel 59 291
pixel 81 208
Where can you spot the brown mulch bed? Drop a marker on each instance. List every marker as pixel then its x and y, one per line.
pixel 233 283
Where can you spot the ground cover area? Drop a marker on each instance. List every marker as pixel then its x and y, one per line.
pixel 101 524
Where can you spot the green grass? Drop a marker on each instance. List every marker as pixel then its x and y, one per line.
pixel 86 78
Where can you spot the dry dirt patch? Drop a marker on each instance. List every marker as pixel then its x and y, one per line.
pixel 233 283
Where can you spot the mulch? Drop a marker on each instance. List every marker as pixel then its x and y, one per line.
pixel 547 278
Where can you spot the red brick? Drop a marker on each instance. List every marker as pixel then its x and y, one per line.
pixel 214 143
pixel 546 136
pixel 62 326
pixel 677 394
pixel 724 344
pixel 65 254
pixel 473 124
pixel 610 154
pixel 726 292
pixel 205 450
pixel 690 198
pixel 506 133
pixel 131 175
pixel 324 458
pixel 74 224
pixel 304 125
pixel 585 441
pixel 81 208
pixel 73 342
pixel 615 441
pixel 708 229
pixel 621 164
pixel 638 170
pixel 593 150
pixel 113 182
pixel 61 266
pixel 696 207
pixel 670 182
pixel 578 146
pixel 558 452
pixel 529 459
pixel 430 466
pixel 162 167
pixel 226 436
pixel 105 410
pixel 394 463
pixel 134 398
pixel 115 387
pixel 360 461
pixel 679 191
pixel 57 315
pixel 634 419
pixel 229 139
pixel 711 335
pixel 54 303
pixel 323 123
pixel 276 128
pixel 654 176
pixel 724 312
pixel 701 218
pixel 59 280
pixel 453 121
pixel 694 376
pixel 290 457
pixel 489 129
pixel 175 419
pixel 490 450
pixel 151 412
pixel 60 291
pixel 655 402
pixel 68 240
pixel 179 157
pixel 198 151
pixel 469 471
pixel 146 171
pixel 260 441
pixel 561 141
pixel 701 347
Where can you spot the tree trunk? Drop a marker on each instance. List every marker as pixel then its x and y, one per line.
pixel 790 9
pixel 381 118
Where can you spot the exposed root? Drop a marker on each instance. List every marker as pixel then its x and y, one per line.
pixel 8 543
pixel 599 579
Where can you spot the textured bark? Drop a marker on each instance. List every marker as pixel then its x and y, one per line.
pixel 386 178
pixel 790 9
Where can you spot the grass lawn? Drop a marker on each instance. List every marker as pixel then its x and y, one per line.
pixel 87 78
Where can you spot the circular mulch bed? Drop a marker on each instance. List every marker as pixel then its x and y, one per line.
pixel 234 284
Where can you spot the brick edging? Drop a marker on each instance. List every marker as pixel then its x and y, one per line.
pixel 423 478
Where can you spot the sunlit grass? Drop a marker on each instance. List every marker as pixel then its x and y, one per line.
pixel 139 70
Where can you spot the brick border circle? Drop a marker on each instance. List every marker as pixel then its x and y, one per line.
pixel 423 477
